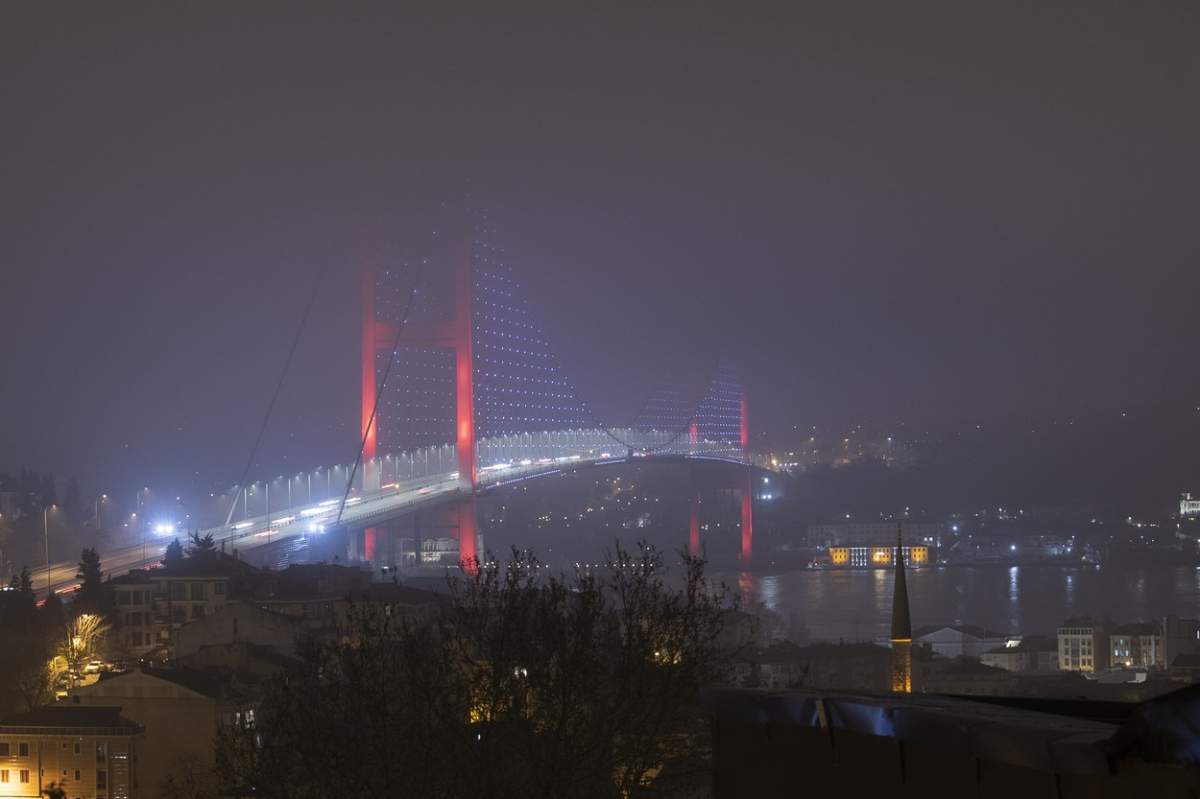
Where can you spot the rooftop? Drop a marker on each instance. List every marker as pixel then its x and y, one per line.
pixel 217 564
pixel 965 629
pixel 70 717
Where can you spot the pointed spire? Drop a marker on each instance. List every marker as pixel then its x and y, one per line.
pixel 901 621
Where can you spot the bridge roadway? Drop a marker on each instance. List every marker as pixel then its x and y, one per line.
pixel 362 509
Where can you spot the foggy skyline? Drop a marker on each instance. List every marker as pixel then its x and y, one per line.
pixel 874 236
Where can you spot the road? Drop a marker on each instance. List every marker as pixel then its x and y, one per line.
pixel 374 507
pixel 303 520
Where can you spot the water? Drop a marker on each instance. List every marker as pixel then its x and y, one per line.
pixel 856 605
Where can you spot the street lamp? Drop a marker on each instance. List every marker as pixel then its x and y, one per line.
pixel 46 540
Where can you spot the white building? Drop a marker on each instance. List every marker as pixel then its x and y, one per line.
pixel 956 641
pixel 1082 645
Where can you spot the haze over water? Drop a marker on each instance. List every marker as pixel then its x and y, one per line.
pixel 855 605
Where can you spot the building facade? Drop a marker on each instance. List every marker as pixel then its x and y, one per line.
pixel 153 604
pixel 959 640
pixel 1136 646
pixel 1082 645
pixel 1035 653
pixel 875 556
pixel 181 711
pixel 88 752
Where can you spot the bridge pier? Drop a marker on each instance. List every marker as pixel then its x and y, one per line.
pixel 467 532
pixel 694 524
pixel 747 516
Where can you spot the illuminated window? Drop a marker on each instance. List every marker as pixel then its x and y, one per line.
pixel 3 775
pixel 24 775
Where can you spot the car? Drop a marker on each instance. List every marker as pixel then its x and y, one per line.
pixel 93 667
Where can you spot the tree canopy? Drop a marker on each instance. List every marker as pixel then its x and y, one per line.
pixel 520 685
pixel 95 596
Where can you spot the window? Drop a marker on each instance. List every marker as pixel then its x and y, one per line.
pixel 76 775
pixel 179 614
pixel 197 591
pixel 219 589
pixel 3 775
pixel 101 751
pixel 4 749
pixel 101 780
pixel 177 590
pixel 78 748
pixel 23 750
pixel 24 775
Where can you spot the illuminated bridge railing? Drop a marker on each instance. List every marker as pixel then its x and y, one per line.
pixel 499 457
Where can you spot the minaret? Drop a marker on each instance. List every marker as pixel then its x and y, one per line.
pixel 901 626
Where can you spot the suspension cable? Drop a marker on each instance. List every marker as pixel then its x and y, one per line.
pixel 287 363
pixel 379 392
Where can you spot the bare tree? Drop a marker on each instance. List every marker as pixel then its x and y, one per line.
pixel 521 685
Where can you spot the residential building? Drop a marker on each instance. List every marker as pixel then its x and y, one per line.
pixel 1185 667
pixel 239 620
pixel 778 666
pixel 959 640
pixel 1082 645
pixel 152 604
pixel 181 711
pixel 1136 645
pixel 1180 636
pixel 767 744
pixel 90 752
pixel 322 595
pixel 1034 653
pixel 252 663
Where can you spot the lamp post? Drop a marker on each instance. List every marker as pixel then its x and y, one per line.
pixel 46 541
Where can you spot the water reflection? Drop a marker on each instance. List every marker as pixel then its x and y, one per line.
pixel 1014 598
pixel 768 591
pixel 746 581
pixel 856 604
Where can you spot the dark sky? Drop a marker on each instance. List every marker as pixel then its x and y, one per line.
pixel 888 211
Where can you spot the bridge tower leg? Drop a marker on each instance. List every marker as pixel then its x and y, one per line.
pixel 747 516
pixel 456 334
pixel 694 523
pixel 747 484
pixel 464 365
pixel 370 345
pixel 467 532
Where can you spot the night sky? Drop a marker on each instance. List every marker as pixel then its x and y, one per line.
pixel 937 214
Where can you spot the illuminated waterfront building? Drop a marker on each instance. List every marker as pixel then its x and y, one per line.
pixel 877 556
pixel 1082 645
pixel 901 636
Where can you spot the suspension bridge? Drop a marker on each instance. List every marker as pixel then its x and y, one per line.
pixel 461 394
